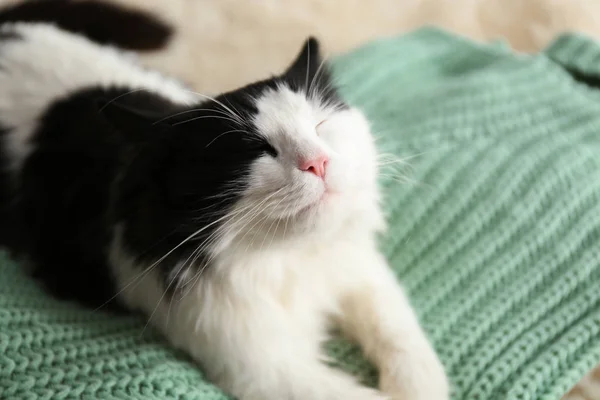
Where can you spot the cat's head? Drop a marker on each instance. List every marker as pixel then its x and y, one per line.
pixel 281 158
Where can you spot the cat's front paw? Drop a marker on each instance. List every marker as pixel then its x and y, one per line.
pixel 414 375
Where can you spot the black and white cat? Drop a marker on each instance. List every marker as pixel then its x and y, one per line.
pixel 243 226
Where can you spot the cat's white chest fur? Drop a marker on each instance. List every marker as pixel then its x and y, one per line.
pixel 294 289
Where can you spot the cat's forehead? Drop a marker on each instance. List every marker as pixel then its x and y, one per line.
pixel 282 110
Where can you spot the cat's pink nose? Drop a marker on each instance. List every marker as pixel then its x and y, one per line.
pixel 317 165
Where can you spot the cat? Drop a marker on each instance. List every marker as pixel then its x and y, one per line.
pixel 243 226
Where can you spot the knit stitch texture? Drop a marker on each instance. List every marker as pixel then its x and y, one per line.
pixel 495 234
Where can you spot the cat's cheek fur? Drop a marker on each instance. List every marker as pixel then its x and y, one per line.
pixel 255 322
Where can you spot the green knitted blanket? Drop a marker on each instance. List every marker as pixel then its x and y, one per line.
pixel 495 234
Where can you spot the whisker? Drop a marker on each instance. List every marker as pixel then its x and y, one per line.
pixel 225 133
pixel 139 276
pixel 307 66
pixel 285 212
pixel 238 113
pixel 270 226
pixel 403 159
pixel 238 117
pixel 203 117
pixel 405 180
pixel 287 219
pixel 215 236
pixel 256 214
pixel 122 95
pixel 202 246
pixel 315 77
pixel 161 299
pixel 209 241
pixel 193 110
pixel 148 269
pixel 260 221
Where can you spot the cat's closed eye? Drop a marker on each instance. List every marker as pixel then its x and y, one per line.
pixel 270 150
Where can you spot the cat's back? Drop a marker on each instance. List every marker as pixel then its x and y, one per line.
pixel 50 62
pixel 41 65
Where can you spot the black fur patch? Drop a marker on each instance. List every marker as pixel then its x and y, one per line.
pixel 98 163
pixel 64 199
pixel 102 23
pixel 6 224
pixel 107 158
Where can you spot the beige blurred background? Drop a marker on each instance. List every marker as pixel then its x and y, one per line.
pixel 221 44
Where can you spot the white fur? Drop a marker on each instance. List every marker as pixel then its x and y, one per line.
pixel 67 63
pixel 281 274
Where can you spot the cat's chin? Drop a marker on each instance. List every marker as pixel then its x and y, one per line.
pixel 317 217
pixel 320 205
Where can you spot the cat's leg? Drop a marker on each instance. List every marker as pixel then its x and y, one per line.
pixel 377 314
pixel 255 354
pixel 259 352
pixel 261 374
pixel 249 346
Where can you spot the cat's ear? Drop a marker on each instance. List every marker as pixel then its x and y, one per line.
pixel 307 62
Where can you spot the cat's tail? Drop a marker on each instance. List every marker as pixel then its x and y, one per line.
pixel 101 22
